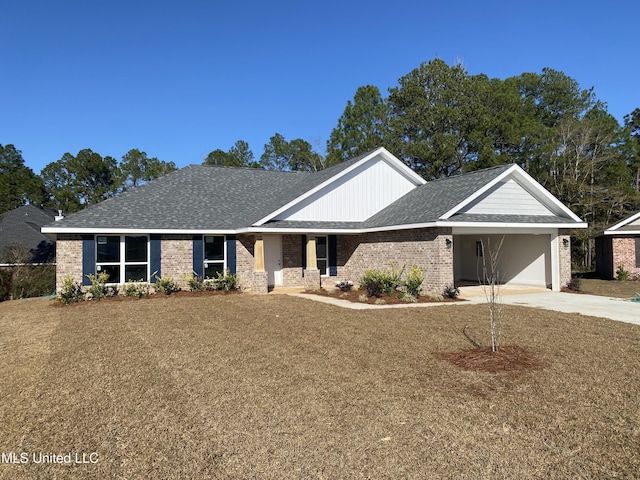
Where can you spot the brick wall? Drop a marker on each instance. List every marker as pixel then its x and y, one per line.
pixel 564 257
pixel 68 259
pixel 624 253
pixel 244 260
pixel 425 248
pixel 177 257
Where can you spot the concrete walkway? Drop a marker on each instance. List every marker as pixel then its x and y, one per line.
pixel 591 305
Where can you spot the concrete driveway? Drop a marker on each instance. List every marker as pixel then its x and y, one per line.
pixel 592 305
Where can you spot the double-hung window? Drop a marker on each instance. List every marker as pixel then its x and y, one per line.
pixel 214 246
pixel 322 254
pixel 125 258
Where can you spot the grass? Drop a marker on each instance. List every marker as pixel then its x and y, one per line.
pixel 610 288
pixel 248 386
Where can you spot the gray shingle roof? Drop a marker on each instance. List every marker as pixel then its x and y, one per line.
pixel 22 225
pixel 215 198
pixel 428 202
pixel 197 197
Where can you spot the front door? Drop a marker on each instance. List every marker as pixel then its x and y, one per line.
pixel 273 259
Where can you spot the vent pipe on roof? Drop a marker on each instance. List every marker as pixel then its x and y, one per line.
pixel 59 216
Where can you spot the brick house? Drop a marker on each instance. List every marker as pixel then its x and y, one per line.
pixel 297 229
pixel 619 245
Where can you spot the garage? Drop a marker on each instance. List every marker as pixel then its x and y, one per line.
pixel 523 259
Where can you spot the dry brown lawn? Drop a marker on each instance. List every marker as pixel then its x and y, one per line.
pixel 249 386
pixel 610 288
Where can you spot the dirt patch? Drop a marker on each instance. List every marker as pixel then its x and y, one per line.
pixel 509 358
pixel 358 296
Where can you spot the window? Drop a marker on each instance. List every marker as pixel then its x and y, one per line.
pixel 213 255
pixel 321 254
pixel 125 258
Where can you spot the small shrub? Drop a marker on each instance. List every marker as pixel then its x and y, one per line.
pixel 413 282
pixel 195 282
pixel 136 289
pixel 450 291
pixel 344 285
pixel 166 285
pixel 621 274
pixel 380 301
pixel 71 292
pixel 407 297
pixel 226 281
pixel 575 284
pixel 362 298
pixel 98 288
pixel 379 282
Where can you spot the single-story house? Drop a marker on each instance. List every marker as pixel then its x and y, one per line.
pixel 619 245
pixel 298 229
pixel 22 226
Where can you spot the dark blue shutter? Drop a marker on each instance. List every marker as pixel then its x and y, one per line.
pixel 231 253
pixel 304 253
pixel 88 258
pixel 333 255
pixel 154 257
pixel 198 256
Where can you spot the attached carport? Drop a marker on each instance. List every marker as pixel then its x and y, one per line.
pixel 527 256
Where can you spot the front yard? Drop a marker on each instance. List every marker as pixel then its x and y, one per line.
pixel 249 386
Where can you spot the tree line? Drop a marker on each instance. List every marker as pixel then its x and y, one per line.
pixel 439 120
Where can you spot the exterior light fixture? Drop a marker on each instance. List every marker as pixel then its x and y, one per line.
pixel 565 242
pixel 449 243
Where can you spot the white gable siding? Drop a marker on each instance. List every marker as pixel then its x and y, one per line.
pixel 354 197
pixel 508 198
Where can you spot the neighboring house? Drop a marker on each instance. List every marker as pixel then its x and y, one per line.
pixel 298 229
pixel 22 226
pixel 619 245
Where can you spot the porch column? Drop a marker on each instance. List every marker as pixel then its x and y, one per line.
pixel 260 275
pixel 258 254
pixel 555 263
pixel 311 273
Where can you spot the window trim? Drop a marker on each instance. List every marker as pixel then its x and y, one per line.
pixel 122 263
pixel 325 258
pixel 205 261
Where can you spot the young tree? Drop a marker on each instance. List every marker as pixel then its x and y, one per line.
pixel 361 128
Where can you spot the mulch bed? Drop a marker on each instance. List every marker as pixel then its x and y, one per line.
pixel 509 358
pixel 354 295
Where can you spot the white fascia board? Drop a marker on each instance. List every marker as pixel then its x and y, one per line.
pixel 510 226
pixel 391 159
pixel 624 222
pixel 531 184
pixel 134 231
pixel 622 233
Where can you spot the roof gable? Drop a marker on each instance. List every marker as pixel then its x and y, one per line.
pixel 350 192
pixel 512 192
pixel 628 226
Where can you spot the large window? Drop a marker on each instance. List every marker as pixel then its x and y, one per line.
pixel 322 254
pixel 213 255
pixel 125 258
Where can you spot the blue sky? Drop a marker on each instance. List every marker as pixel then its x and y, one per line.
pixel 180 79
